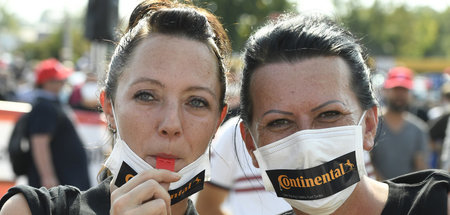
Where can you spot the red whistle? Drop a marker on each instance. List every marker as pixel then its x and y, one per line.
pixel 165 163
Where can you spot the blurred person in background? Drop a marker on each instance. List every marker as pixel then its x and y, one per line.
pixel 443 108
pixel 84 96
pixel 439 125
pixel 233 88
pixel 443 149
pixel 403 143
pixel 6 82
pixel 57 150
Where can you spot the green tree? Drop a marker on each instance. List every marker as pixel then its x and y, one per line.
pixel 51 45
pixel 396 30
pixel 442 45
pixel 8 22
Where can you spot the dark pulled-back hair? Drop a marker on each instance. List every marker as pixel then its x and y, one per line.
pixel 169 18
pixel 293 38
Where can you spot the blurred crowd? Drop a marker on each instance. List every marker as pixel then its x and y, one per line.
pixel 18 82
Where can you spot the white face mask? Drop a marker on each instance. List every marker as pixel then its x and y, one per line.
pixel 316 170
pixel 125 164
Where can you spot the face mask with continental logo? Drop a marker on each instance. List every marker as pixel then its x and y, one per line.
pixel 316 170
pixel 124 164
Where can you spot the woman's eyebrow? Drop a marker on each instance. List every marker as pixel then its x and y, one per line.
pixel 206 89
pixel 325 104
pixel 145 79
pixel 277 111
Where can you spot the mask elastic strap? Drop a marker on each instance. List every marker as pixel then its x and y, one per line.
pixel 116 121
pixel 362 117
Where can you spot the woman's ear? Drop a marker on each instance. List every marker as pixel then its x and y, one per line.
pixel 370 128
pixel 107 109
pixel 223 114
pixel 249 144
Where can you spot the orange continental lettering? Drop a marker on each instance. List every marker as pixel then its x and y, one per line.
pixel 128 177
pixel 318 180
pixel 309 182
pixel 283 180
pixel 326 178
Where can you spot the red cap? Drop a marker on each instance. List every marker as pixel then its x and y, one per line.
pixel 399 77
pixel 51 69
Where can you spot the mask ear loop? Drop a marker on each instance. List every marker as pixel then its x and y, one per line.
pixel 362 117
pixel 116 121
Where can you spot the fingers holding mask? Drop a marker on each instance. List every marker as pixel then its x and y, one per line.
pixel 146 193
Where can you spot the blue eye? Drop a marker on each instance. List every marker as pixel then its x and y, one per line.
pixel 144 96
pixel 198 102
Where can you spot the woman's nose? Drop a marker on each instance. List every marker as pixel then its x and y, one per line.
pixel 304 123
pixel 170 124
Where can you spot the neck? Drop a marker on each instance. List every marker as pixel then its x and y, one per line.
pixel 180 207
pixel 394 119
pixel 369 196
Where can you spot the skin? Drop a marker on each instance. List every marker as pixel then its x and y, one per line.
pixel 167 107
pixel 399 97
pixel 311 94
pixel 210 199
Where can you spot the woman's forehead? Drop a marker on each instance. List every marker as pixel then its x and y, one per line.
pixel 313 72
pixel 310 79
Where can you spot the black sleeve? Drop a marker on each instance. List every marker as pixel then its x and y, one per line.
pixel 437 128
pixel 57 200
pixel 422 192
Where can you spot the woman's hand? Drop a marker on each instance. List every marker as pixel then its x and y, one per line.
pixel 145 193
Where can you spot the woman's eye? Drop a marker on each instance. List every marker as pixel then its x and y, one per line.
pixel 198 103
pixel 278 123
pixel 144 96
pixel 329 115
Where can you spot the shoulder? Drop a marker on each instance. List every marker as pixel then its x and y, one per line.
pixel 97 200
pixel 422 192
pixel 43 107
pixel 228 130
pixel 40 201
pixel 416 122
pixel 440 121
pixel 420 178
pixel 57 199
pixel 16 204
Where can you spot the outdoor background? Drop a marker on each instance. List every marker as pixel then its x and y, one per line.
pixel 414 33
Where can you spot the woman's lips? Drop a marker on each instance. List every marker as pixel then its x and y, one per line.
pixel 167 156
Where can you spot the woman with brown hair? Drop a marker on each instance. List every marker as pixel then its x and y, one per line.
pixel 164 98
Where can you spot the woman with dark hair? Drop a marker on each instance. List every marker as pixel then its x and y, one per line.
pixel 309 111
pixel 164 98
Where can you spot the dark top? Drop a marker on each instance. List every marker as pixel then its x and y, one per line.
pixel 422 192
pixel 438 127
pixel 70 200
pixel 68 155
